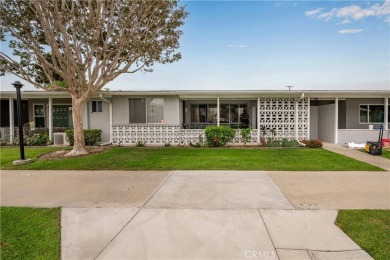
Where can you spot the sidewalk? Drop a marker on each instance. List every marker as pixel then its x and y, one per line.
pixel 360 156
pixel 199 214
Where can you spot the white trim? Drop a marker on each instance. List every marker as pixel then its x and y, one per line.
pixel 39 104
pixel 258 119
pixel 336 120
pixel 50 119
pixel 296 118
pixel 97 110
pixel 308 118
pixel 218 108
pixel 11 119
pixel 386 119
pixel 110 107
pixel 368 114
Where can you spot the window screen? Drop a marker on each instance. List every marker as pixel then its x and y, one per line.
pixel 137 111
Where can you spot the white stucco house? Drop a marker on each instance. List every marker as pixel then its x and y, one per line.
pixel 178 117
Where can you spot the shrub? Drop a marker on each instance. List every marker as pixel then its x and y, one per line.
pixel 289 143
pixel 140 144
pixel 37 139
pixel 167 145
pixel 91 136
pixel 218 136
pixel 198 144
pixel 246 135
pixel 3 141
pixel 274 143
pixel 313 143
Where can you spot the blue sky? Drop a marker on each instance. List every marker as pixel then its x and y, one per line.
pixel 258 45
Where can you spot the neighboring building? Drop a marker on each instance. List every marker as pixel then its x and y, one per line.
pixel 175 117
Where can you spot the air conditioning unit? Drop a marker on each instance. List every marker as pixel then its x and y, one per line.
pixel 2 133
pixel 60 139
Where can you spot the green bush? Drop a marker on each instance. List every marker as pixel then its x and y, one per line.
pixel 91 136
pixel 246 134
pixel 36 137
pixel 274 143
pixel 198 144
pixel 289 143
pixel 313 143
pixel 218 136
pixel 140 144
pixel 3 141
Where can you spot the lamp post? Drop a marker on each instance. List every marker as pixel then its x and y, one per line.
pixel 18 86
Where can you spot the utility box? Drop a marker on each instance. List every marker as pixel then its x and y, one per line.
pixel 60 139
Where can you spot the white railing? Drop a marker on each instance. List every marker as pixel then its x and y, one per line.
pixel 162 134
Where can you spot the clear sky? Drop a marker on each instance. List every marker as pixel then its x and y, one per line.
pixel 257 45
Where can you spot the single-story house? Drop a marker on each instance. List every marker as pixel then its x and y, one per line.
pixel 179 117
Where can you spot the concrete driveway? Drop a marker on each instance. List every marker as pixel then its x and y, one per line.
pixel 193 214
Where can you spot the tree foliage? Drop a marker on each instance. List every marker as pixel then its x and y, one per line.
pixel 80 46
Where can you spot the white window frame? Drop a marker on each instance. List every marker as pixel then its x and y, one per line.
pixel 146 111
pixel 44 112
pixel 368 114
pixel 43 106
pixel 97 110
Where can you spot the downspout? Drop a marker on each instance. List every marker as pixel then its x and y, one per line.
pixel 296 119
pixel 110 105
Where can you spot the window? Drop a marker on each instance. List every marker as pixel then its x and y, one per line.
pixel 97 106
pixel 146 110
pixel 372 114
pixel 234 115
pixel 39 115
pixel 62 116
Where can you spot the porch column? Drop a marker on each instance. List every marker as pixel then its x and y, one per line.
pixel 258 120
pixel 336 120
pixel 296 118
pixel 308 118
pixel 218 111
pixel 11 119
pixel 386 121
pixel 50 119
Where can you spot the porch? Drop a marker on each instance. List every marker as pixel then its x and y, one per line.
pixel 267 117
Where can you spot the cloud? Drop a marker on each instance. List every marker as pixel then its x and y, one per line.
pixel 387 20
pixel 314 12
pixel 352 12
pixel 349 31
pixel 238 46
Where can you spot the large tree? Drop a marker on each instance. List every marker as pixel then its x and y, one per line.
pixel 80 46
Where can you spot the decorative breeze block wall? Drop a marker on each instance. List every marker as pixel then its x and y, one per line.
pixel 279 114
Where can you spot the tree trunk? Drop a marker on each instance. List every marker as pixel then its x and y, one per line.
pixel 77 113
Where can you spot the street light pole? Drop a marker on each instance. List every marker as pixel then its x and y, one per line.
pixel 18 86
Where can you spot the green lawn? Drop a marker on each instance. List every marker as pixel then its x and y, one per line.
pixel 370 229
pixel 386 153
pixel 30 233
pixel 178 158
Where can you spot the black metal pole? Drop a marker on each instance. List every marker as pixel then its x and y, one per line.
pixel 18 86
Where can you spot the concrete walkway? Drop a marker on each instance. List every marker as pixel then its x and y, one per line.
pixel 358 155
pixel 195 214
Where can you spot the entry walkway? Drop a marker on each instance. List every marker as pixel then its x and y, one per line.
pixel 364 157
